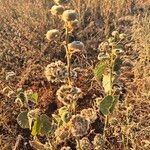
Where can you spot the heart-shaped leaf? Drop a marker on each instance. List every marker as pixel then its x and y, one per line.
pixel 22 120
pixel 117 64
pixel 99 70
pixel 46 124
pixel 106 104
pixel 33 97
pixel 115 100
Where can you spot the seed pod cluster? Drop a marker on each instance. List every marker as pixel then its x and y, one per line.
pixel 57 72
pixel 90 114
pixel 85 144
pixel 79 126
pixel 98 142
pixel 68 93
pixel 62 133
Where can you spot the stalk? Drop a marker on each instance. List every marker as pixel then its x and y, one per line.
pixel 78 143
pixel 68 55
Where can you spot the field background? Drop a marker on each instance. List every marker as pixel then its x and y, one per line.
pixel 25 51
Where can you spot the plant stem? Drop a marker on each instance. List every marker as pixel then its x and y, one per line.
pixel 78 143
pixel 68 55
pixel 111 72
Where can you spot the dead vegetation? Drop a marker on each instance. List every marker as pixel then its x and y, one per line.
pixel 25 52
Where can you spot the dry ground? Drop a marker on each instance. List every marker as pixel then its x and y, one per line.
pixel 25 51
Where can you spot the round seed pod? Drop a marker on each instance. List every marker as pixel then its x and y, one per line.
pixel 52 34
pixel 78 125
pixel 69 15
pixel 73 24
pixel 66 148
pixel 90 114
pixel 122 36
pixel 61 2
pixel 85 144
pixel 67 93
pixel 115 34
pixel 76 46
pixel 57 10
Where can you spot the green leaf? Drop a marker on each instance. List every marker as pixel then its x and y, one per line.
pixel 115 100
pixel 22 120
pixel 33 97
pixel 117 64
pixel 99 70
pixel 46 124
pixel 36 127
pixel 106 104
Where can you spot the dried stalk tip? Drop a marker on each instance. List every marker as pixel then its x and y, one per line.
pixel 90 114
pixel 69 15
pixel 61 2
pixel 67 94
pixel 76 46
pixel 57 10
pixel 79 126
pixel 52 34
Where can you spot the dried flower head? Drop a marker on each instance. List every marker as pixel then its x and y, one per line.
pixel 98 141
pixel 78 125
pixel 69 15
pixel 67 94
pixel 90 114
pixel 61 2
pixel 66 148
pixel 57 10
pixel 85 144
pixel 52 34
pixel 115 34
pixel 76 46
pixel 62 133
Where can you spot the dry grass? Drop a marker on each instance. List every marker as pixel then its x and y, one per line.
pixel 23 25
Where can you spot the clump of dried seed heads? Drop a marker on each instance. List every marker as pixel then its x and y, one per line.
pixel 57 72
pixel 90 114
pixel 79 126
pixel 68 93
